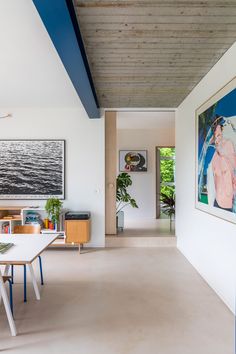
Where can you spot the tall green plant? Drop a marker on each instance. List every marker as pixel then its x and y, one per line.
pixel 168 203
pixel 123 198
pixel 53 208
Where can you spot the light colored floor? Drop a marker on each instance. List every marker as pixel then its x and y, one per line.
pixel 145 241
pixel 148 227
pixel 144 232
pixel 119 301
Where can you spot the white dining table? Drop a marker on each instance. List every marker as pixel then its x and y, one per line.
pixel 26 248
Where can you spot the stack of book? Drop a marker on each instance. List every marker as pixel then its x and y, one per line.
pixel 5 246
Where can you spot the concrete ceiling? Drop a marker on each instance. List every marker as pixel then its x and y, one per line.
pixel 152 53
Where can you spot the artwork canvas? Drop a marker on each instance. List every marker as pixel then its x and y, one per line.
pixel 133 161
pixel 31 169
pixel 216 154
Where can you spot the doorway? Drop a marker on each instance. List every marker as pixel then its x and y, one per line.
pixel 165 182
pixel 138 131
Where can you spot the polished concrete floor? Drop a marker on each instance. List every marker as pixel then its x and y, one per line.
pixel 119 301
pixel 148 227
pixel 144 232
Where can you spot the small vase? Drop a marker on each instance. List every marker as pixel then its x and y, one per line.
pixel 51 225
pixel 46 222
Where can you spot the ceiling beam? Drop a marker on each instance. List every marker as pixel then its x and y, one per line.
pixel 62 26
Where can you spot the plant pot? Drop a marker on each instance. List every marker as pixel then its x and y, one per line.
pixel 120 221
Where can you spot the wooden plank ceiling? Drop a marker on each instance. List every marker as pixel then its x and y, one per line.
pixel 152 53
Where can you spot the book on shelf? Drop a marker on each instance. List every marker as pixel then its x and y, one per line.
pixel 5 228
pixel 5 247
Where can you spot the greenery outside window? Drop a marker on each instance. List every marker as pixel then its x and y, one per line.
pixel 165 174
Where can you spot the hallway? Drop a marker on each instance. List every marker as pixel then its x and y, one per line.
pixel 119 301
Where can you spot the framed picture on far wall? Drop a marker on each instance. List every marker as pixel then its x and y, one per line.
pixel 133 160
pixel 216 154
pixel 32 169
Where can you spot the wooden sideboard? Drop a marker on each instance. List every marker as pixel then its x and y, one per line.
pixel 72 233
pixel 77 231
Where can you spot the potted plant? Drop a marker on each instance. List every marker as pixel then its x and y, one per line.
pixel 123 198
pixel 168 204
pixel 53 208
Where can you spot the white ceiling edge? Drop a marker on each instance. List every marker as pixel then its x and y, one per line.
pixel 31 72
pixel 144 109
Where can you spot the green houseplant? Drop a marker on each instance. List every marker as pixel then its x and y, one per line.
pixel 123 198
pixel 53 208
pixel 168 203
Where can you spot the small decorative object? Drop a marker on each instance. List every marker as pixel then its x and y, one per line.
pixel 33 218
pixel 216 154
pixel 5 228
pixel 53 208
pixel 31 169
pixel 133 161
pixel 46 223
pixel 123 198
pixel 51 225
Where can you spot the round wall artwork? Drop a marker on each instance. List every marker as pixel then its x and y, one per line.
pixel 133 161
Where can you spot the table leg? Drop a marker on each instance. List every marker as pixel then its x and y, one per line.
pixel 7 307
pixel 6 270
pixel 35 285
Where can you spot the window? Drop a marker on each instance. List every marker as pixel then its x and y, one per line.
pixel 165 174
pixel 167 170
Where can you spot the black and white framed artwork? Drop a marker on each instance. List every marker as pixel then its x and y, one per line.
pixel 32 169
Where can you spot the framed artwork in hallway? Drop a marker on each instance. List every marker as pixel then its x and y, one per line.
pixel 216 154
pixel 133 160
pixel 32 169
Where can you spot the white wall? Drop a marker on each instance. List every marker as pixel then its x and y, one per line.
pixel 144 131
pixel 208 242
pixel 84 168
pixel 36 90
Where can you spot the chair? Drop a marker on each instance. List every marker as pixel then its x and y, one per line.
pixel 27 229
pixel 9 280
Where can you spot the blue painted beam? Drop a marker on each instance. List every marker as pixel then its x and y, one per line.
pixel 60 21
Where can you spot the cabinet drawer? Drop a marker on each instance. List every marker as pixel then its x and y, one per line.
pixel 77 231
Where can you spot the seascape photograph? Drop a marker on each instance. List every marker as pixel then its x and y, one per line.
pixel 31 169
